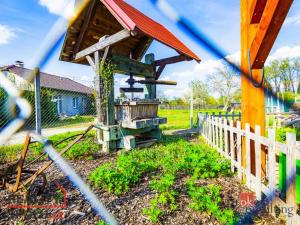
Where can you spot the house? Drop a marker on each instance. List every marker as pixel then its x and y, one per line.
pixel 71 97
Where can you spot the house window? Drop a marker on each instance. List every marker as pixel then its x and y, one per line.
pixel 59 104
pixel 75 103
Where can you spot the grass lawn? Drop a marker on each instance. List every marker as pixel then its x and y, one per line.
pixel 180 118
pixel 86 147
pixel 69 122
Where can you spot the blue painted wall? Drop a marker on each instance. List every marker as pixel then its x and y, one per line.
pixel 67 103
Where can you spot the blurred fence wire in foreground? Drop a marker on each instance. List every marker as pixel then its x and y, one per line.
pixel 206 42
pixel 10 96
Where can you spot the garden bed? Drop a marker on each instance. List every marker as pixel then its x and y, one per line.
pixel 139 191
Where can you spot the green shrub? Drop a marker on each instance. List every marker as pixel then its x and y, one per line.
pixel 164 161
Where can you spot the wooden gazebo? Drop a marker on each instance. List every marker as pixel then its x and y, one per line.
pixel 114 30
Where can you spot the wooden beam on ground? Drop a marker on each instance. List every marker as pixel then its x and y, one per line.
pixel 256 10
pixel 172 60
pixel 102 44
pixel 272 19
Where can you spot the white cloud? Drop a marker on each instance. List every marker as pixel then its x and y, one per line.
pixel 285 52
pixel 292 20
pixel 202 70
pixel 63 8
pixel 6 34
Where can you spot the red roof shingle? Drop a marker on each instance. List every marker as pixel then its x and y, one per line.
pixel 132 18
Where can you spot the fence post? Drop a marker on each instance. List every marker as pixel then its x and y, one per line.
pixel 258 162
pixel 221 134
pixel 232 115
pixel 209 130
pixel 239 148
pixel 213 131
pixel 272 168
pixel 225 135
pixel 37 92
pixel 291 175
pixel 192 110
pixel 217 132
pixel 248 158
pixel 231 146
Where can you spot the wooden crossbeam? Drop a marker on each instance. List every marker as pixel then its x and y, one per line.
pixel 256 10
pixel 84 27
pixel 125 65
pixel 102 44
pixel 272 19
pixel 171 60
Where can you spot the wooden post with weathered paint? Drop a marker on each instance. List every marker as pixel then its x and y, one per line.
pixel 150 89
pixel 37 92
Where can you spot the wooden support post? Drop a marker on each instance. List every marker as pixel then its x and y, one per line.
pixel 37 91
pixel 252 98
pixel 150 89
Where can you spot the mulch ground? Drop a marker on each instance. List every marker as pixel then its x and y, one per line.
pixel 127 209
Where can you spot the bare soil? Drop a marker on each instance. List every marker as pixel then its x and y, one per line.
pixel 127 208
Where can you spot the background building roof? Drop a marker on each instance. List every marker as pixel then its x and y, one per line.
pixel 51 81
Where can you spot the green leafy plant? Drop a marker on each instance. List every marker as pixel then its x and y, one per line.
pixel 163 163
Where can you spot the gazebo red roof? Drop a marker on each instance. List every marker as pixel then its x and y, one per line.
pixel 107 17
pixel 131 18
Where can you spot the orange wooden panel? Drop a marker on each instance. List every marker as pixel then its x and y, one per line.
pixel 272 19
pixel 256 10
pixel 252 97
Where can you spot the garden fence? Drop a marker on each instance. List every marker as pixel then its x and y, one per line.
pixel 56 102
pixel 279 178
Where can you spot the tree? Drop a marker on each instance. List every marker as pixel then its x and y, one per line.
pixel 225 83
pixel 200 93
pixel 272 75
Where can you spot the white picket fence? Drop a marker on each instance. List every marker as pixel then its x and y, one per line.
pixel 227 137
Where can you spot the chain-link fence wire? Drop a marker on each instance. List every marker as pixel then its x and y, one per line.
pixel 23 110
pixel 58 108
pixel 186 26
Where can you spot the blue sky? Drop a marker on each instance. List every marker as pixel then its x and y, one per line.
pixel 25 24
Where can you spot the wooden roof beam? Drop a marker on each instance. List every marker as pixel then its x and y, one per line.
pixel 256 10
pixel 102 44
pixel 172 60
pixel 269 27
pixel 85 25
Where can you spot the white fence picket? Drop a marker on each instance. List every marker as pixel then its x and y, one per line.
pixel 239 149
pixel 225 135
pixel 231 145
pixel 248 159
pixel 216 131
pixel 220 125
pixel 290 176
pixel 258 163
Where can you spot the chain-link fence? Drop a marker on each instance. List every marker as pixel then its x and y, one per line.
pixel 63 104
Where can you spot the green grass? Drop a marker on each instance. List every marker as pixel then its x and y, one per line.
pixel 85 148
pixel 180 118
pixel 163 163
